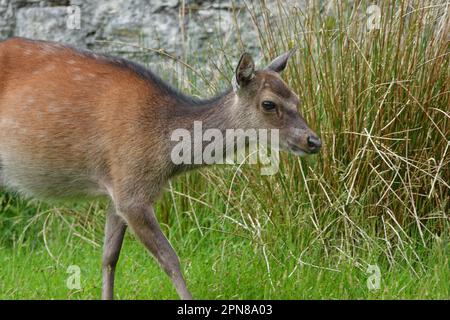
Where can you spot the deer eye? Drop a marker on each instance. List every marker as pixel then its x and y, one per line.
pixel 268 105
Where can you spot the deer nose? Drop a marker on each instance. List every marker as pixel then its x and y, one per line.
pixel 314 144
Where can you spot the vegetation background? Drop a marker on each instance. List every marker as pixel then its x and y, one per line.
pixel 374 82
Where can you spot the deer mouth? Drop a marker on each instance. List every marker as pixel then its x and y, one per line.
pixel 297 150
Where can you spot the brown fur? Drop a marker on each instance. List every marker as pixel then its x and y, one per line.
pixel 74 125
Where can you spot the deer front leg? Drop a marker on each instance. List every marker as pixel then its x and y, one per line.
pixel 143 223
pixel 114 232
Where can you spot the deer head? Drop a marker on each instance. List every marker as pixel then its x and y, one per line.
pixel 266 101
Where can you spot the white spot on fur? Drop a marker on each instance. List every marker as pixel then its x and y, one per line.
pixel 8 123
pixel 47 49
pixel 50 67
pixel 30 101
pixel 52 108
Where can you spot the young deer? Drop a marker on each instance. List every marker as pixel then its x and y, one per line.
pixel 76 126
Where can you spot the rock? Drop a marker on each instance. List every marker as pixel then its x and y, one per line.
pixel 186 29
pixel 48 23
pixel 7 18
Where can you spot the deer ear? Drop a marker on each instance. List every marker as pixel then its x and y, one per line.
pixel 280 62
pixel 245 70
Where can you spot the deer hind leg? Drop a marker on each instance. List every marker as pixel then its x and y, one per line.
pixel 114 232
pixel 143 223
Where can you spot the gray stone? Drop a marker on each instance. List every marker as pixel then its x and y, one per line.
pixel 188 29
pixel 48 23
pixel 7 18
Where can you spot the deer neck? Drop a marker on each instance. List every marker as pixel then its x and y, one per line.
pixel 218 113
pixel 202 122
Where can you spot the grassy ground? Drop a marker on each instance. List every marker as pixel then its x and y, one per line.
pixel 377 195
pixel 219 266
pixel 220 261
pixel 241 274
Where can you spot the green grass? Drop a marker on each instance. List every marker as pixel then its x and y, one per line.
pixel 218 263
pixel 377 194
pixel 221 268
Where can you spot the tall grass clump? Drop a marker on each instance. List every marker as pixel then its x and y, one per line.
pixel 378 94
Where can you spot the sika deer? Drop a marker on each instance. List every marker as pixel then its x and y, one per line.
pixel 76 126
